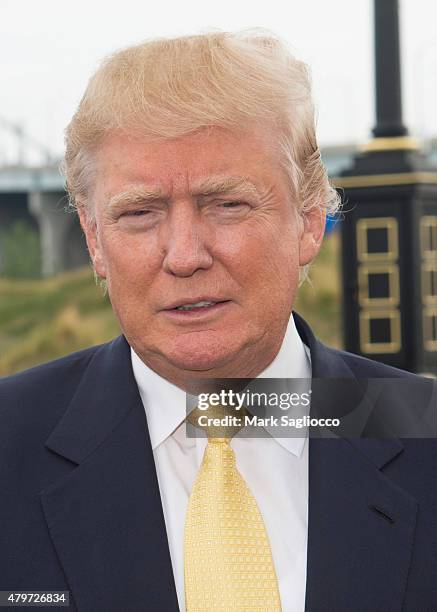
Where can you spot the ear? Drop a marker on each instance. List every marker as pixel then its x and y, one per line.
pixel 312 235
pixel 89 227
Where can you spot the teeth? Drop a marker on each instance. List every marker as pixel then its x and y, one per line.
pixel 196 305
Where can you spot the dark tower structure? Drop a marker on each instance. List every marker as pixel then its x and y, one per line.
pixel 389 231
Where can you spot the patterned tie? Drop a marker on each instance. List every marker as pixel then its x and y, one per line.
pixel 227 558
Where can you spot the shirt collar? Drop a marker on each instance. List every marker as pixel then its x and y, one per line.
pixel 164 402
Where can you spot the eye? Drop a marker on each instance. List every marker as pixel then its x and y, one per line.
pixel 138 219
pixel 232 204
pixel 137 213
pixel 230 210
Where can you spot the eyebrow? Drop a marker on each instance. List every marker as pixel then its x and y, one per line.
pixel 222 185
pixel 207 187
pixel 136 195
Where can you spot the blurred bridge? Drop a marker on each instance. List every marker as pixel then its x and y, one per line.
pixel 37 196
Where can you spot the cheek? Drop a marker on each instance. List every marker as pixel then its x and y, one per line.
pixel 262 257
pixel 131 262
pixel 266 271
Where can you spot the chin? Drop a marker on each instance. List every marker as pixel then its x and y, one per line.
pixel 197 354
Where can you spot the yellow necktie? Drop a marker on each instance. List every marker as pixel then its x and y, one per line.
pixel 227 558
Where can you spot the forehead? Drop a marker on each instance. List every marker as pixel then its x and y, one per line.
pixel 129 158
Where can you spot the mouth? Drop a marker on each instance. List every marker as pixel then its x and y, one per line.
pixel 197 309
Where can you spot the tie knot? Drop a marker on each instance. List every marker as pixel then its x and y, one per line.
pixel 220 423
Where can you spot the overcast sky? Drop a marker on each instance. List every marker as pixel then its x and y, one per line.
pixel 49 48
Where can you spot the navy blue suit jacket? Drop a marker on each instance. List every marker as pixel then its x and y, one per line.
pixel 80 508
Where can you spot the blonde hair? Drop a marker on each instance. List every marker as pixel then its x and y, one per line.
pixel 168 88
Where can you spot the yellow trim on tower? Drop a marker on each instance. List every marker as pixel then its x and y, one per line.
pixel 428 236
pixel 429 341
pixel 395 143
pixel 382 180
pixel 392 271
pixel 366 345
pixel 388 223
pixel 429 268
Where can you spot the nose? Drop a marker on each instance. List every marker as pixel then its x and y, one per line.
pixel 184 241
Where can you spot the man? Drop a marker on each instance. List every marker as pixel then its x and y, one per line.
pixel 194 168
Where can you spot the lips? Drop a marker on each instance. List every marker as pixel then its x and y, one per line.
pixel 201 304
pixel 186 304
pixel 196 310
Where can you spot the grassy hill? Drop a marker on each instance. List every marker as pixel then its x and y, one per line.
pixel 44 319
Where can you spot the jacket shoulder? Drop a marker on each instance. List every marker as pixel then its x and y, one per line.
pixel 35 392
pixel 369 368
pixel 35 373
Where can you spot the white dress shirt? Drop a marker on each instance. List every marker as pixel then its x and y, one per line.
pixel 279 482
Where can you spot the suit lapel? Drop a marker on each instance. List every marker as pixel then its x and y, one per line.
pixel 360 524
pixel 105 517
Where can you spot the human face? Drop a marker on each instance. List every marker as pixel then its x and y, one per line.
pixel 207 217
